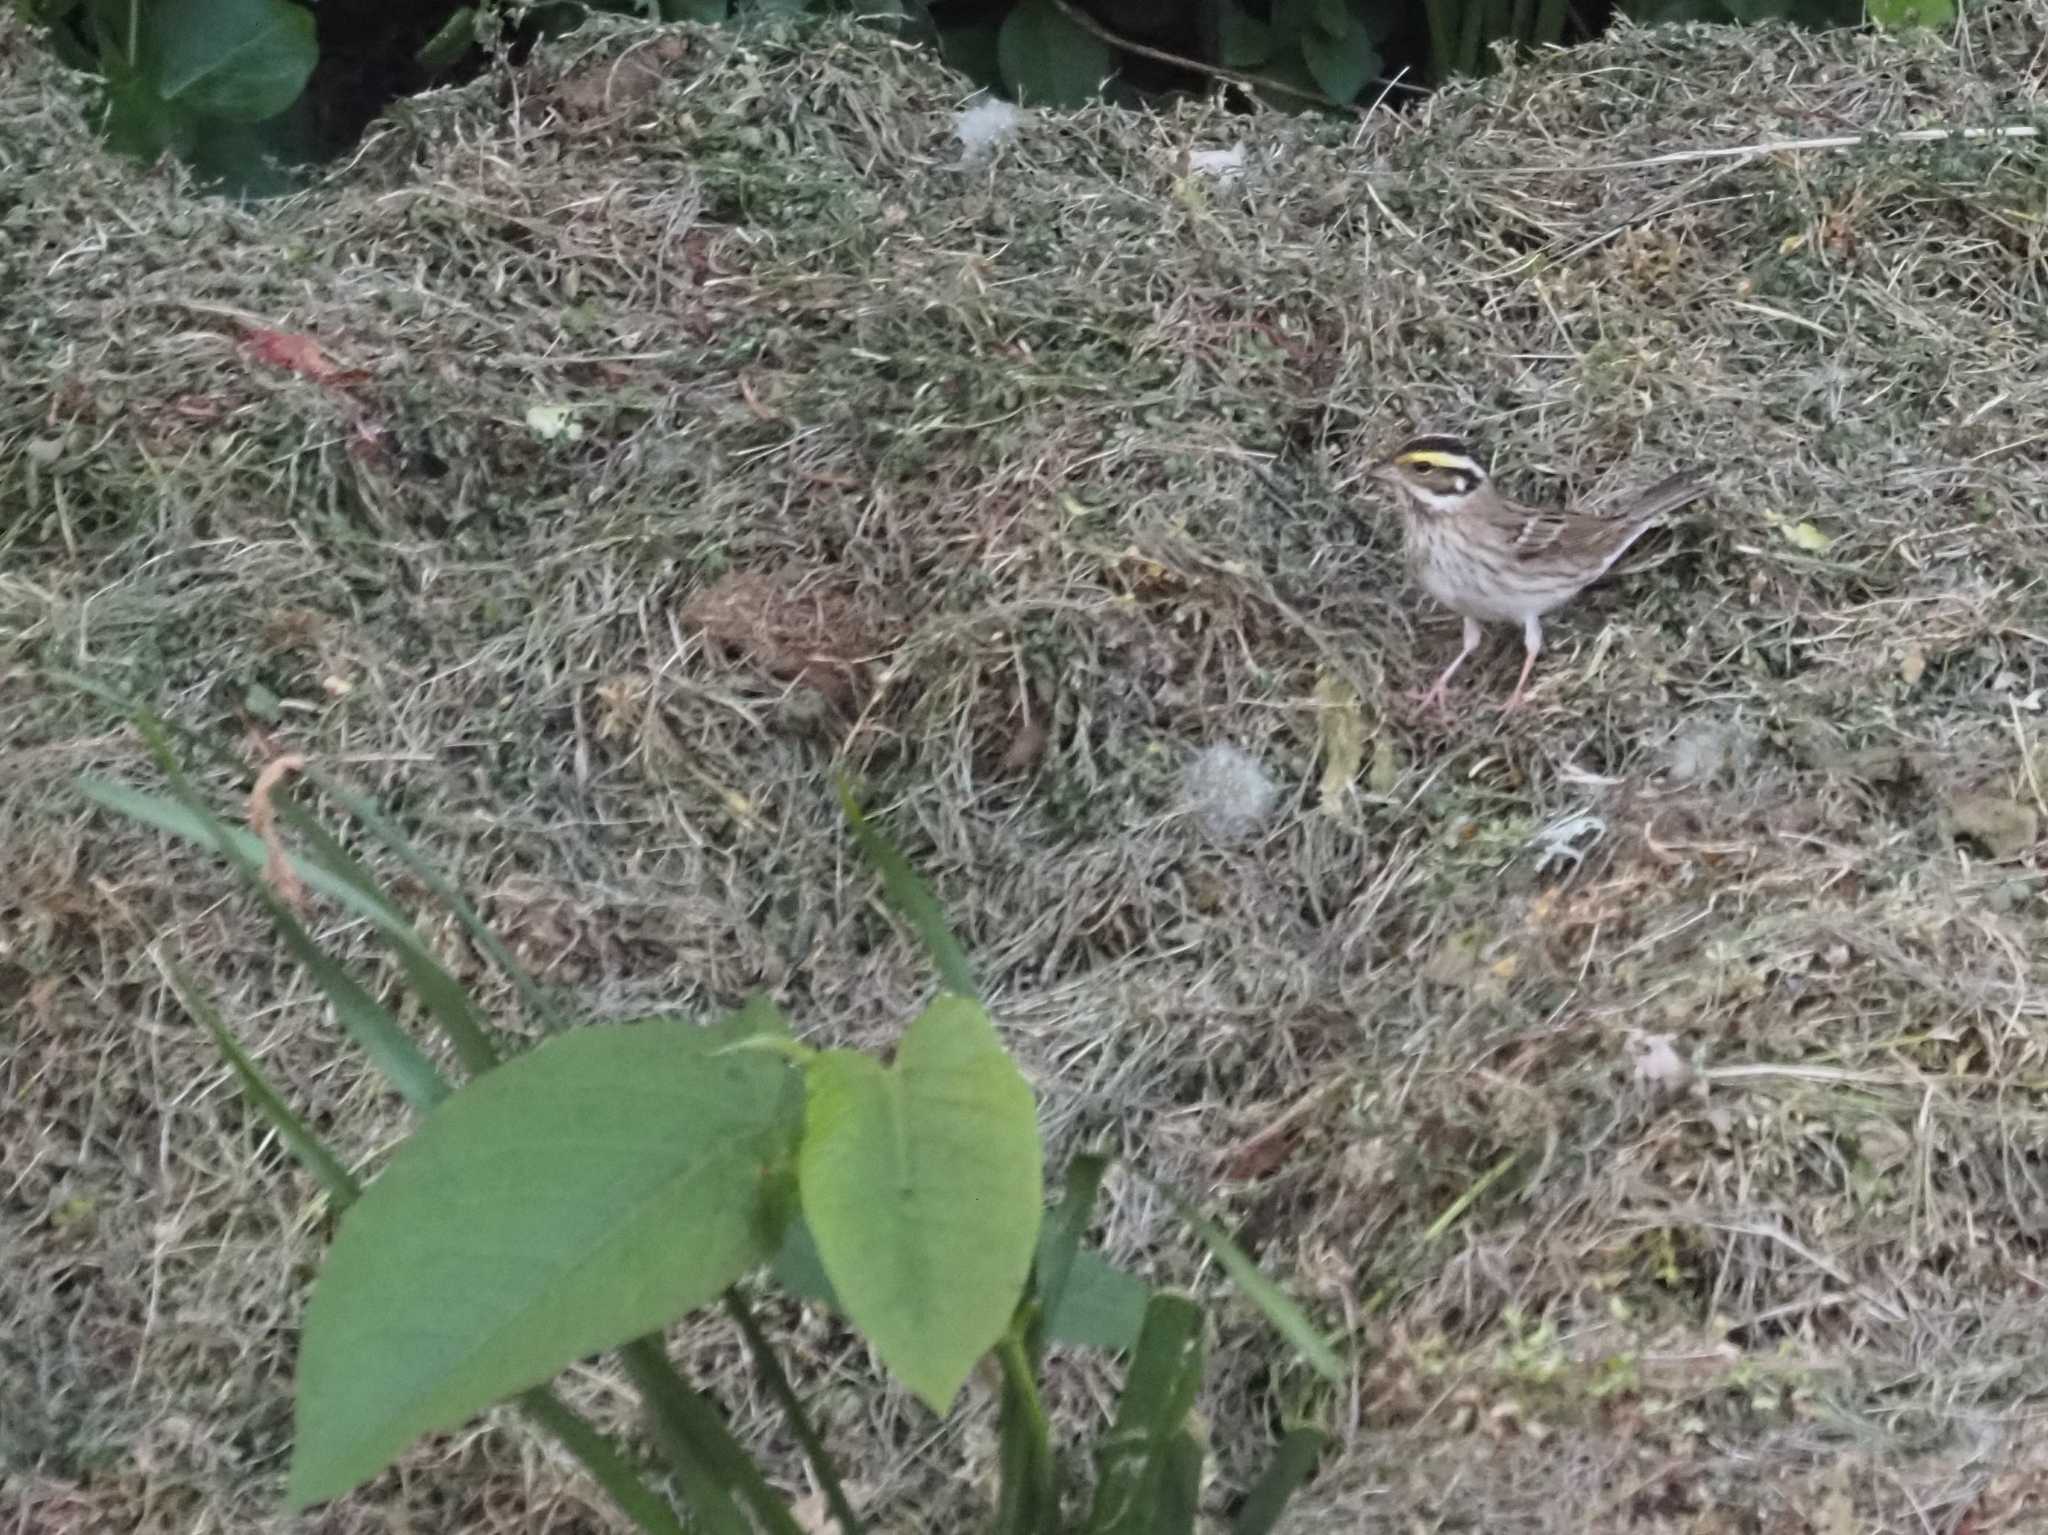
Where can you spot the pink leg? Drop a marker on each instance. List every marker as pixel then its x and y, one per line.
pixel 1434 698
pixel 1532 647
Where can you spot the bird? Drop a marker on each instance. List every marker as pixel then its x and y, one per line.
pixel 1492 560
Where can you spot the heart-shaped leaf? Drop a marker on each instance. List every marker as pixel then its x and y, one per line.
pixel 921 1183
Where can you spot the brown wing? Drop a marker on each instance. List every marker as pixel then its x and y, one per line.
pixel 1569 538
pixel 1539 535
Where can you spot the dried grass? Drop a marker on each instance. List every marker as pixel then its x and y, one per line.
pixel 1013 488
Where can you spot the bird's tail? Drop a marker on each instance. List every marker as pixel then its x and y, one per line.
pixel 1669 495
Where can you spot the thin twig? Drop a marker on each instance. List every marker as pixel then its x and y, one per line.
pixel 1089 24
pixel 1769 147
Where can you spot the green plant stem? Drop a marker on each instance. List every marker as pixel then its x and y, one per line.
pixel 1021 1391
pixel 800 1423
pixel 606 1465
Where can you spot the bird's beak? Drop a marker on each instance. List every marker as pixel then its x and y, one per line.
pixel 1381 474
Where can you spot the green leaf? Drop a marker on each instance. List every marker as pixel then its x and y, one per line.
pixel 921 1183
pixel 1284 1475
pixel 708 11
pixel 972 51
pixel 1243 41
pixel 138 122
pixel 1133 1459
pixel 1341 62
pixel 1049 60
pixel 1102 1307
pixel 913 899
pixel 1294 1325
pixel 585 1193
pixel 1060 1240
pixel 240 59
pixel 1897 15
pixel 450 42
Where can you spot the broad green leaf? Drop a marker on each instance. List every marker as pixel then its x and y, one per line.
pixel 589 1447
pixel 921 1183
pixel 1048 59
pixel 455 37
pixel 1102 1307
pixel 1243 41
pixel 136 121
pixel 972 51
pixel 1059 1241
pixel 240 59
pixel 1134 1458
pixel 1896 15
pixel 1341 63
pixel 1284 1475
pixel 590 1191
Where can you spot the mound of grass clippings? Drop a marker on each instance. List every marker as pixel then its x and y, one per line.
pixel 1650 1086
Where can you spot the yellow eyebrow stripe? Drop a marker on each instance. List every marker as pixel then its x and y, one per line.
pixel 1436 460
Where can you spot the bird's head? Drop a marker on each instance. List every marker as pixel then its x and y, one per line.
pixel 1439 473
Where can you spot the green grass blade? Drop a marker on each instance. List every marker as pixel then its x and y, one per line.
pixel 1443 38
pixel 308 1148
pixel 371 814
pixel 913 898
pixel 1133 1458
pixel 1180 1487
pixel 607 1467
pixel 1279 1309
pixel 367 1021
pixel 1289 1468
pixel 1472 36
pixel 769 1368
pixel 665 1399
pixel 446 1000
pixel 693 1435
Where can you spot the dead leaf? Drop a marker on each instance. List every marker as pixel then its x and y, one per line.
pixel 277 866
pixel 1026 747
pixel 1386 768
pixel 1343 733
pixel 791 627
pixel 302 355
pixel 548 422
pixel 2003 828
pixel 1804 535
